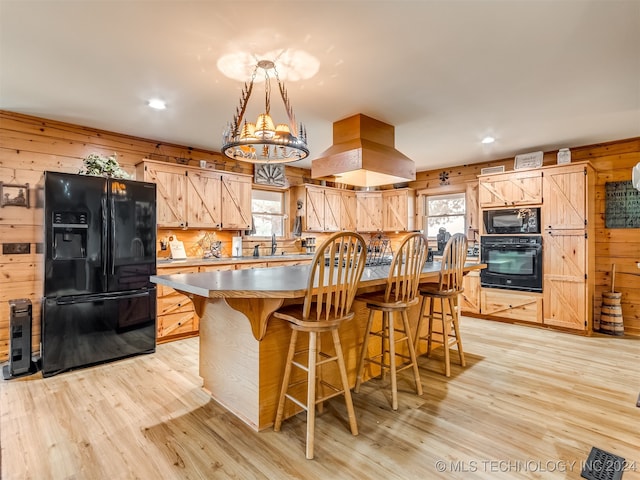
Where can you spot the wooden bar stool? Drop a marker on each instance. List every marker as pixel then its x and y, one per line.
pixel 446 290
pixel 334 275
pixel 401 293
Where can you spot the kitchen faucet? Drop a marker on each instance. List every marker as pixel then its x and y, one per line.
pixel 274 244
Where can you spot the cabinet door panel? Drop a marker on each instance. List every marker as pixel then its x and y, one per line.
pixel 171 196
pixel 203 200
pixel 348 211
pixel 177 324
pixel 565 198
pixel 236 202
pixel 369 212
pixel 332 203
pixel 522 188
pixel 565 265
pixel 314 211
pixel 512 305
pixel 469 299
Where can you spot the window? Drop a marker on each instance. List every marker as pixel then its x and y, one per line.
pixel 267 208
pixel 446 211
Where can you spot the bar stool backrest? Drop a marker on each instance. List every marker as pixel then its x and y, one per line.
pixel 453 259
pixel 405 269
pixel 334 275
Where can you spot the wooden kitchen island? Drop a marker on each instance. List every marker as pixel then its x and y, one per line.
pixel 243 351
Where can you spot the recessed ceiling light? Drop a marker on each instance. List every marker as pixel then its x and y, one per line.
pixel 488 140
pixel 157 104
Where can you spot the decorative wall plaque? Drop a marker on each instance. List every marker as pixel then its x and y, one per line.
pixel 622 209
pixel 528 160
pixel 269 174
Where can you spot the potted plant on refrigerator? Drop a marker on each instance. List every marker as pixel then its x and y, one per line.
pixel 99 165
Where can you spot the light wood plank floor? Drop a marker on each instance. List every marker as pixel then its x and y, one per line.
pixel 530 404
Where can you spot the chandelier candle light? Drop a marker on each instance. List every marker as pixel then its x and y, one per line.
pixel 262 142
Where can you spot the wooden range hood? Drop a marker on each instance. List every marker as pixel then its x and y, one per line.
pixel 363 154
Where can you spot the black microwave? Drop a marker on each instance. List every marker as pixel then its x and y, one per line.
pixel 510 221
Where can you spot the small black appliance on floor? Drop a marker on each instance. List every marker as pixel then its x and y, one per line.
pixel 20 362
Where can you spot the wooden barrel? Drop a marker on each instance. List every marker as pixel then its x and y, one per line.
pixel 611 314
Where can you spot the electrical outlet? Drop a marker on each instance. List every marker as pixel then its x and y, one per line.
pixel 638 264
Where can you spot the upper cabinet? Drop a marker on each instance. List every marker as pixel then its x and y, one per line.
pixel 348 209
pixel 189 197
pixel 171 191
pixel 510 189
pixel 472 209
pixel 236 202
pixel 565 199
pixel 369 207
pixel 325 209
pixel 398 210
pixel 203 199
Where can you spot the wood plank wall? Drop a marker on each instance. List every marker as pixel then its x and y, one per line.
pixel 31 145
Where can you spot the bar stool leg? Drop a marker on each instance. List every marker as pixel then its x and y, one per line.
pixel 412 352
pixel 456 330
pixel 423 306
pixel 345 383
pixel 363 353
pixel 311 392
pixel 392 358
pixel 285 381
pixel 446 335
pixel 430 328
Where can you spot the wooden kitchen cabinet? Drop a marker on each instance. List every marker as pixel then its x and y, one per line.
pixel 469 299
pixel 369 206
pixel 332 205
pixel 472 214
pixel 565 197
pixel 190 197
pixel 204 208
pixel 176 316
pixel 348 208
pixel 236 201
pixel 398 210
pixel 171 191
pixel 510 189
pixel 325 209
pixel 313 208
pixel 565 279
pixel 511 304
pixel 568 246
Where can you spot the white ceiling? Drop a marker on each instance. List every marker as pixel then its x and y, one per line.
pixel 537 75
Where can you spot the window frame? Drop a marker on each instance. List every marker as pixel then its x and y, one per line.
pixel 434 192
pixel 284 214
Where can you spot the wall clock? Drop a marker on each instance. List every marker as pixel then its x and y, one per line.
pixel 269 174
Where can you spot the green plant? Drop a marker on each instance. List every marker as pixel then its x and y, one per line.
pixel 95 164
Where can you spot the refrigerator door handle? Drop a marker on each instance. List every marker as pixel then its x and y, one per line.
pixel 113 235
pixel 103 240
pixel 73 299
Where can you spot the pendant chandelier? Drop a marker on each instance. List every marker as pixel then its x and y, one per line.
pixel 263 141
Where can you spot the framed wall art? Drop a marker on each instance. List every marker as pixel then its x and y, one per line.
pixel 13 195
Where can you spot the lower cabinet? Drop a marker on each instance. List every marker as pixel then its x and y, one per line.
pixel 469 299
pixel 511 305
pixel 176 315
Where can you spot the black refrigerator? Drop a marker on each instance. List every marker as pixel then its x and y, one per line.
pixel 100 249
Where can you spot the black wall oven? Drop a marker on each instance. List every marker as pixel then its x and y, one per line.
pixel 513 262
